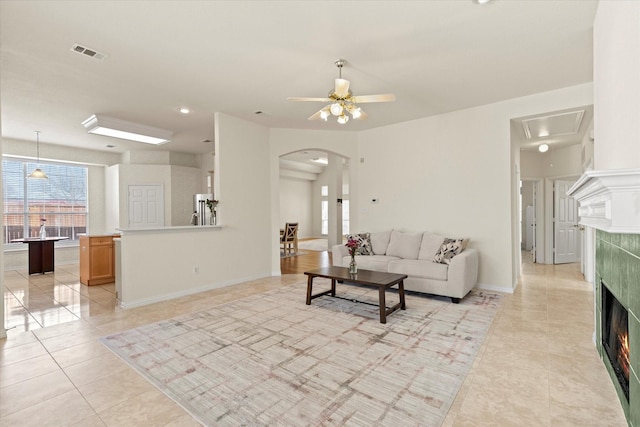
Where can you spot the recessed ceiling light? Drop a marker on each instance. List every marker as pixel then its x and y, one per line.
pixel 543 148
pixel 184 110
pixel 481 1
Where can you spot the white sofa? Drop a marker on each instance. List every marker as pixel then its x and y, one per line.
pixel 413 254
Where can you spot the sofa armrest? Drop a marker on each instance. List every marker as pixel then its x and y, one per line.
pixel 338 252
pixel 463 271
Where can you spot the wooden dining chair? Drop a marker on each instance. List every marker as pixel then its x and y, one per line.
pixel 289 239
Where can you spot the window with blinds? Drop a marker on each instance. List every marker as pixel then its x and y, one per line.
pixel 60 200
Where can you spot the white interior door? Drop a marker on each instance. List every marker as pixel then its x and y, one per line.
pixel 566 229
pixel 529 227
pixel 146 206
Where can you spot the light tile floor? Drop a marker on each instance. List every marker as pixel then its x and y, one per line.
pixel 537 367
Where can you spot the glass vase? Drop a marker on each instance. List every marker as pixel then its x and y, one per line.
pixel 353 267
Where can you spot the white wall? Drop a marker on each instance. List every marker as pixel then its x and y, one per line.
pixel 97 204
pixel 112 198
pixel 451 174
pixel 296 204
pixel 157 265
pixel 616 54
pixel 448 174
pixel 27 150
pixel 185 182
pixel 559 162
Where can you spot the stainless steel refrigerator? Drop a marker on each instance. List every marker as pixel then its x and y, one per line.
pixel 200 208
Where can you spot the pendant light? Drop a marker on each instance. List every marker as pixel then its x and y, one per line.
pixel 38 174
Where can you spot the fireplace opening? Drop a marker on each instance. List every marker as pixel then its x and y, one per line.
pixel 615 337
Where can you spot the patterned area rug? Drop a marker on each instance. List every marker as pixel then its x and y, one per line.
pixel 314 244
pixel 269 359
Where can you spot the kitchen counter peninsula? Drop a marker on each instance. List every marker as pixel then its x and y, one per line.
pixel 155 264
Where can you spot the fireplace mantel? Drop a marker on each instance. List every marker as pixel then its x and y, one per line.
pixel 609 200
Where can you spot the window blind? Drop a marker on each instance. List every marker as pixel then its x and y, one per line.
pixel 60 200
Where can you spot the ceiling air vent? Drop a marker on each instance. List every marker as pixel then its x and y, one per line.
pixel 92 53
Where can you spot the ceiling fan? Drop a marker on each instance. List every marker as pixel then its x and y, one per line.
pixel 342 100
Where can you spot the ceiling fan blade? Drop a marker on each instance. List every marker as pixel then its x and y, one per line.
pixel 386 97
pixel 363 116
pixel 302 98
pixel 316 116
pixel 342 88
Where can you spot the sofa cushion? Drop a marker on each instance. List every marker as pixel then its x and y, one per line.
pixel 404 245
pixel 364 243
pixel 449 249
pixel 419 269
pixel 379 242
pixel 371 262
pixel 431 243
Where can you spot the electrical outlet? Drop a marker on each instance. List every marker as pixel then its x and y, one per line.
pixel 196 270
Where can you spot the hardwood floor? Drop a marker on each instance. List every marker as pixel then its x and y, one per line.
pixel 301 263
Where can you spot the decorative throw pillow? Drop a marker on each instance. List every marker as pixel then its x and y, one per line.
pixel 430 245
pixel 449 249
pixel 364 243
pixel 379 242
pixel 404 245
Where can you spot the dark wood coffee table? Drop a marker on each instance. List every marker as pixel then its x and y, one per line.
pixel 382 281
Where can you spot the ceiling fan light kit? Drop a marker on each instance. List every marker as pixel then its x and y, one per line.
pixel 341 101
pixel 336 109
pixel 325 113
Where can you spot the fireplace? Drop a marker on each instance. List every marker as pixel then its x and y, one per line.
pixel 609 210
pixel 615 337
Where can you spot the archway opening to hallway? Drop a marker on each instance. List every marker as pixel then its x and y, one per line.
pixel 314 192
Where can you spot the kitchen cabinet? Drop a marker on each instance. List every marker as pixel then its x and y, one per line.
pixel 97 259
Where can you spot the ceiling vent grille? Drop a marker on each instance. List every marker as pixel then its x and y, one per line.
pixel 92 53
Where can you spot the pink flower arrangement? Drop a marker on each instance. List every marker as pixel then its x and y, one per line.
pixel 353 246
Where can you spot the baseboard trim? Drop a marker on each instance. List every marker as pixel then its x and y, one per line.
pixel 495 288
pixel 174 295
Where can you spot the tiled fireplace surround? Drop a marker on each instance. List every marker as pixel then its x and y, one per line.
pixel 618 266
pixel 610 204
